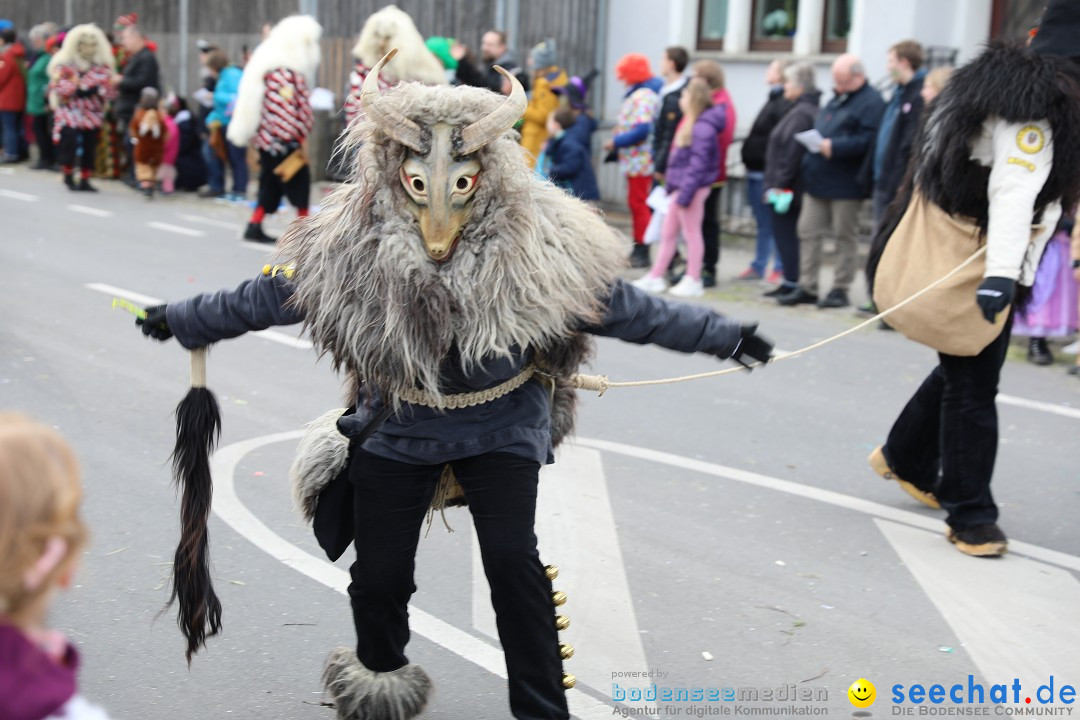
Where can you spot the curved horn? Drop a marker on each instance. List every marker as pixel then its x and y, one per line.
pixel 487 128
pixel 398 127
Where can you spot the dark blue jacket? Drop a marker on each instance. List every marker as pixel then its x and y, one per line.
pixel 582 129
pixel 850 121
pixel 693 167
pixel 570 166
pixel 519 422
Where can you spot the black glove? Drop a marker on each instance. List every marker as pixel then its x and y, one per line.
pixel 752 347
pixel 994 295
pixel 85 92
pixel 154 324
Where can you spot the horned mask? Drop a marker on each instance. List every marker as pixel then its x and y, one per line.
pixel 440 174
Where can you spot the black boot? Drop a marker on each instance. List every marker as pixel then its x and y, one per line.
pixel 69 180
pixel 148 193
pixel 254 232
pixel 85 186
pixel 1039 352
pixel 639 258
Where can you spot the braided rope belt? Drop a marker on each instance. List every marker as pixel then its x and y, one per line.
pixel 463 400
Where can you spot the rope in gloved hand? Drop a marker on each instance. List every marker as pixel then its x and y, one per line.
pixel 600 383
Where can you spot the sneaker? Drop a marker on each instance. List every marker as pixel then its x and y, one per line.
pixel 708 279
pixel 639 257
pixel 881 467
pixel 208 193
pixel 648 283
pixel 254 232
pixel 797 296
pixel 776 276
pixel 980 541
pixel 148 193
pixel 688 287
pixel 748 274
pixel 836 298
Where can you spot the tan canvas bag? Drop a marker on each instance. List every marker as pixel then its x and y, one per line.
pixel 926 246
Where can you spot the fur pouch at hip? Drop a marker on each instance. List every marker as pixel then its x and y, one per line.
pixel 323 453
pixel 926 246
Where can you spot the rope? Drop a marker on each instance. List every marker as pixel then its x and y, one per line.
pixel 600 383
pixel 464 400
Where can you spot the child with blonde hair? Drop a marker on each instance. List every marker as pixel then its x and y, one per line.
pixel 41 537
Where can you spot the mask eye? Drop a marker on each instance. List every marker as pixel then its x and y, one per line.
pixel 417 185
pixel 465 183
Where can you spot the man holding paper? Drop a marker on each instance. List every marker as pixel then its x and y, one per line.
pixel 839 145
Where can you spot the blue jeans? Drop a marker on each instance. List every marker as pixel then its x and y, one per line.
pixel 9 128
pixel 215 171
pixel 755 188
pixel 238 164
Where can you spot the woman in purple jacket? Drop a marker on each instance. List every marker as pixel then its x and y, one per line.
pixel 693 164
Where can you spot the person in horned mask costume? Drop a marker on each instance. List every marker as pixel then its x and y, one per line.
pixel 459 293
pixel 79 86
pixel 273 111
pixel 999 155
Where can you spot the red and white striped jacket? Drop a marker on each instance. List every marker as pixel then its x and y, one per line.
pixel 81 113
pixel 356 84
pixel 286 111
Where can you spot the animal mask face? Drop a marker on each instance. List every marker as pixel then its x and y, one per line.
pixel 87 47
pixel 441 173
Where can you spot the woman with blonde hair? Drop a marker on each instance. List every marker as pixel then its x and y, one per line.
pixel 693 163
pixel 41 539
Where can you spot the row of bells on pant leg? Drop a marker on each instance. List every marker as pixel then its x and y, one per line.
pixel 566 650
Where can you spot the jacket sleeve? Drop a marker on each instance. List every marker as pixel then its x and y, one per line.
pixel 639 118
pixel 1021 162
pixel 638 317
pixel 255 305
pixel 784 172
pixel 8 68
pixel 857 142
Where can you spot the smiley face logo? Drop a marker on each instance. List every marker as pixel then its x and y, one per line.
pixel 862 693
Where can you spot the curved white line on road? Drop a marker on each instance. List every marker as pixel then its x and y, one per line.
pixel 228 507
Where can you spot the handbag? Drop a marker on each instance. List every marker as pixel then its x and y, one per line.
pixel 293 163
pixel 927 245
pixel 334 521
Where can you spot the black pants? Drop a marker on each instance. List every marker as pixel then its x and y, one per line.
pixel 786 234
pixel 391 500
pixel 951 424
pixel 272 189
pixel 69 143
pixel 710 231
pixel 43 137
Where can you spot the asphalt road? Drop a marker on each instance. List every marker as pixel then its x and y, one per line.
pixel 721 533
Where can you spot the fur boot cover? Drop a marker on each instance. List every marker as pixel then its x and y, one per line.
pixel 321 455
pixel 361 694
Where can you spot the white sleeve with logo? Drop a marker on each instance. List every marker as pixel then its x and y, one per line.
pixel 1021 161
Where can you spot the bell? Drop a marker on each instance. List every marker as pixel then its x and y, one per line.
pixel 561 622
pixel 551 571
pixel 568 680
pixel 558 598
pixel 566 651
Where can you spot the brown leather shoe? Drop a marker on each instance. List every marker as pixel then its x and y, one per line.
pixel 881 467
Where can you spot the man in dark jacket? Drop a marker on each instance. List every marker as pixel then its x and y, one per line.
pixel 834 195
pixel 753 157
pixel 672 65
pixel 493 51
pixel 140 71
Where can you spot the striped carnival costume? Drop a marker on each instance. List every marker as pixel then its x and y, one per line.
pixel 273 112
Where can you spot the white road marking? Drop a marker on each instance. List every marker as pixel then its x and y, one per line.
pixel 867 507
pixel 15 195
pixel 271 335
pixel 1051 408
pixel 1014 616
pixel 209 221
pixel 176 229
pixel 580 538
pixel 228 507
pixel 261 247
pixel 87 210
pixel 7 171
